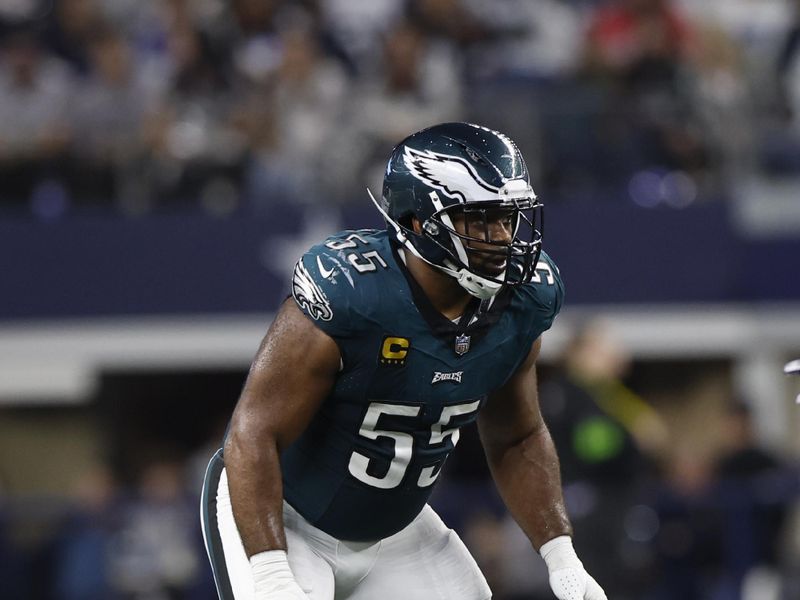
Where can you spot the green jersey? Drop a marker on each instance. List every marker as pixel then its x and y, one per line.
pixel 410 379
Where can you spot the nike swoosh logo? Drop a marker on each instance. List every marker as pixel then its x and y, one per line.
pixel 326 273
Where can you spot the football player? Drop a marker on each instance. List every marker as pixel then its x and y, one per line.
pixel 393 340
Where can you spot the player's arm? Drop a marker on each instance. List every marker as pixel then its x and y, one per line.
pixel 293 372
pixel 522 456
pixel 525 468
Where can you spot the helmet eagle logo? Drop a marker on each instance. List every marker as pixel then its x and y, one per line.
pixel 452 175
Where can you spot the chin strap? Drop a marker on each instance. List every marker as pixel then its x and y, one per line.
pixel 477 286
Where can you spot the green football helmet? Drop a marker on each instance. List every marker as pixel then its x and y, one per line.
pixel 463 172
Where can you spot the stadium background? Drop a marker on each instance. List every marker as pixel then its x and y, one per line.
pixel 164 162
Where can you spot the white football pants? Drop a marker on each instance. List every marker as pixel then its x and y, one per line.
pixel 424 561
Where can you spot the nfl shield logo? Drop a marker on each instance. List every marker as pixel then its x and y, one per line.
pixel 462 344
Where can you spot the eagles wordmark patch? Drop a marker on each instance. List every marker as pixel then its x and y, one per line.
pixel 454 377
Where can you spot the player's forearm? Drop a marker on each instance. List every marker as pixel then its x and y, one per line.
pixel 256 489
pixel 527 476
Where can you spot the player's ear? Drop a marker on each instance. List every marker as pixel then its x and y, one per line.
pixel 416 225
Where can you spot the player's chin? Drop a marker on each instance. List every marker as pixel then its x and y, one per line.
pixel 491 268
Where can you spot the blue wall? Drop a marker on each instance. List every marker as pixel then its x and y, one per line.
pixel 608 253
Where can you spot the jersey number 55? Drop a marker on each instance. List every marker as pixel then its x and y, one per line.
pixel 404 443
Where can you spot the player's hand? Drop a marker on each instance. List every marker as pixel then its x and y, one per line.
pixel 272 577
pixel 568 579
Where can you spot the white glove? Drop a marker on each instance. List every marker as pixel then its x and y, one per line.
pixel 568 579
pixel 272 577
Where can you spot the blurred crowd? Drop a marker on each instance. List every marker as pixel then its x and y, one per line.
pixel 111 541
pixel 146 105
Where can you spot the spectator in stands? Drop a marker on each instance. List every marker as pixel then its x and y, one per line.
pixel 721 513
pixel 689 525
pixel 12 574
pixel 456 24
pixel 256 17
pixel 69 30
pixel 605 429
pixel 354 28
pixel 638 41
pixel 538 41
pixel 254 36
pixel 34 124
pixel 108 113
pixel 640 48
pixel 307 93
pixel 754 503
pixel 155 554
pixel 721 99
pixel 449 19
pixel 417 83
pixel 85 542
pixel 605 435
pixel 195 154
pixel 780 153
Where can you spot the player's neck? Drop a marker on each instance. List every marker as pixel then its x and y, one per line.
pixel 443 291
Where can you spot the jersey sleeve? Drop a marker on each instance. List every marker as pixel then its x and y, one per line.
pixel 545 295
pixel 323 288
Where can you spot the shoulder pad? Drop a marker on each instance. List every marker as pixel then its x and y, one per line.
pixel 324 283
pixel 543 296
